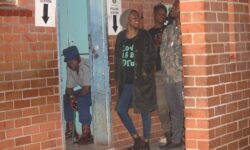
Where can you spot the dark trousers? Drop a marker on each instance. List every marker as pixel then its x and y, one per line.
pixel 176 107
pixel 122 109
pixel 83 108
pixel 162 104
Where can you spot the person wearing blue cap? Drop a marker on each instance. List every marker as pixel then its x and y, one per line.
pixel 78 74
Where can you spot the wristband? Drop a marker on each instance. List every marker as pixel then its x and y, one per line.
pixel 71 96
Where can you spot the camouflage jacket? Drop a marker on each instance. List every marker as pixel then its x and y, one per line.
pixel 171 54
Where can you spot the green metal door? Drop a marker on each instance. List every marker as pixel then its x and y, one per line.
pixel 73 30
pixel 76 20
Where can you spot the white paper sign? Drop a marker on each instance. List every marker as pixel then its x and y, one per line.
pixel 45 13
pixel 169 7
pixel 114 13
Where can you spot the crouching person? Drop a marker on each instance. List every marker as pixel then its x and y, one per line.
pixel 78 74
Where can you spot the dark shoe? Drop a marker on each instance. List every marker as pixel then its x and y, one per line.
pixel 69 133
pixel 145 146
pixel 168 136
pixel 137 143
pixel 165 145
pixel 86 138
pixel 175 145
pixel 129 148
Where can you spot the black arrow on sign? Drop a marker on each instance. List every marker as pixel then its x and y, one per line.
pixel 45 13
pixel 115 23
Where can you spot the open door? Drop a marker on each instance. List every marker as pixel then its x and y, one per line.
pixel 73 30
pixel 78 22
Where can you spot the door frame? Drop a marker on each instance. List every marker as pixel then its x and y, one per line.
pixel 100 83
pixel 100 80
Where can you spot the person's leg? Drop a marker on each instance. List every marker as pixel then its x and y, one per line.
pixel 68 111
pixel 83 106
pixel 68 116
pixel 162 104
pixel 146 121
pixel 176 106
pixel 85 118
pixel 122 108
pixel 163 110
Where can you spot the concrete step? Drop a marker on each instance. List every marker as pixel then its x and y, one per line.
pixel 70 146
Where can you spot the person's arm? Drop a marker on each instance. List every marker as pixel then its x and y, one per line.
pixel 158 39
pixel 178 42
pixel 117 56
pixel 69 92
pixel 149 56
pixel 71 98
pixel 163 49
pixel 73 95
pixel 83 91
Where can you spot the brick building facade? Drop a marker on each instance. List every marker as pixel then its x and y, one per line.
pixel 30 115
pixel 216 52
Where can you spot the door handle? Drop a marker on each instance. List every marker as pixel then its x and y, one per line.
pixel 93 50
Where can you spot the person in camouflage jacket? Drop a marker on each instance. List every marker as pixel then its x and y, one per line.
pixel 171 57
pixel 172 54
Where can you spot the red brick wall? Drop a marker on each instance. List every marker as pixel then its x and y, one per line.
pixel 121 137
pixel 30 115
pixel 216 49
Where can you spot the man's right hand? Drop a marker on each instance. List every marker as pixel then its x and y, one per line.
pixel 72 98
pixel 73 103
pixel 157 39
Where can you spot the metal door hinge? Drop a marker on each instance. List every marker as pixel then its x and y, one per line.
pixel 93 50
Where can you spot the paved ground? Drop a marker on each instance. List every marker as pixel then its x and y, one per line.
pixel 70 146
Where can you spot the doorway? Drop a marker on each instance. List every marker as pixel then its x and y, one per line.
pixel 76 27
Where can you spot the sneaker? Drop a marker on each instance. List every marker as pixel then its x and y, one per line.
pixel 168 139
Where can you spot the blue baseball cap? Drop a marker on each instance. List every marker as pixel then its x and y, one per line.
pixel 70 53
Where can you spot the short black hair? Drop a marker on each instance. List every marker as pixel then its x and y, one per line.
pixel 160 6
